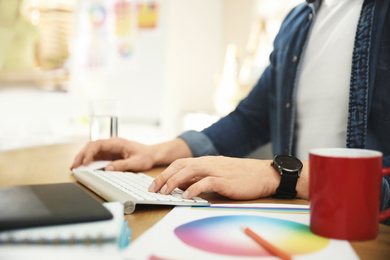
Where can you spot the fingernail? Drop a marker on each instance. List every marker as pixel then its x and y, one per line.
pixel 152 186
pixel 164 189
pixel 185 194
pixel 109 168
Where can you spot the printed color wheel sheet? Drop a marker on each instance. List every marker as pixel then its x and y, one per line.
pixel 216 232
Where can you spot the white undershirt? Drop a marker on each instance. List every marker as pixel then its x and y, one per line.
pixel 324 79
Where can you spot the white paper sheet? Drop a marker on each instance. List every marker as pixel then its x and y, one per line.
pixel 215 233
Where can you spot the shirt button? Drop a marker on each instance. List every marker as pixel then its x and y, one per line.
pixel 310 16
pixel 288 105
pixel 294 59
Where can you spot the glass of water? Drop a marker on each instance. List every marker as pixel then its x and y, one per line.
pixel 103 122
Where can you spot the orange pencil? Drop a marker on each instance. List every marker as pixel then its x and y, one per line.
pixel 268 246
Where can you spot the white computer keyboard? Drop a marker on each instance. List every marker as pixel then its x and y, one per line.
pixel 136 186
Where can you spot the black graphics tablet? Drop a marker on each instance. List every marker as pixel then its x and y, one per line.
pixel 48 204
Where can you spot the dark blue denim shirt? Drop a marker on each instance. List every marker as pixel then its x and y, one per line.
pixel 268 113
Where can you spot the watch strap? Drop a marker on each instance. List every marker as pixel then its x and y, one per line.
pixel 286 189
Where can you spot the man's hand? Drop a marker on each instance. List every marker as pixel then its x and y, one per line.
pixel 131 155
pixel 125 154
pixel 239 179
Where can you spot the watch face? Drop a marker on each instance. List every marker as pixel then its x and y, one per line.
pixel 288 162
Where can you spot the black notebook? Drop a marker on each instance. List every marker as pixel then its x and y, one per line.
pixel 48 204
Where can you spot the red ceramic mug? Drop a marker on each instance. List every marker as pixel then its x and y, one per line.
pixel 344 191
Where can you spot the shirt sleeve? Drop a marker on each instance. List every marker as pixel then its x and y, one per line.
pixel 199 143
pixel 385 198
pixel 386 161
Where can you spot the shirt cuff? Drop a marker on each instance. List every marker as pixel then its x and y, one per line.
pixel 199 143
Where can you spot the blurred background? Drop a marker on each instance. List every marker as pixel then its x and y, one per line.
pixel 173 65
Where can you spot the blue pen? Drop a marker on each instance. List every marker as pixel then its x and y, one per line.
pixel 124 238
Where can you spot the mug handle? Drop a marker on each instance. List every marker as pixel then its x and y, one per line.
pixel 386 213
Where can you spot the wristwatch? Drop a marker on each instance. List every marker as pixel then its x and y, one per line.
pixel 289 168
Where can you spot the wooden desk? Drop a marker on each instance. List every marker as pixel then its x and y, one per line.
pixel 50 164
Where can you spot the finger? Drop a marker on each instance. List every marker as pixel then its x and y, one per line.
pixel 100 147
pixel 133 164
pixel 89 152
pixel 78 161
pixel 161 179
pixel 205 184
pixel 187 170
pixel 216 184
pixel 186 184
pixel 112 145
pixel 107 156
